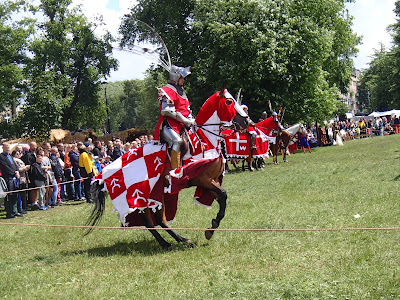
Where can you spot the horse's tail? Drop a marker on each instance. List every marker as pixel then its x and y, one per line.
pixel 99 199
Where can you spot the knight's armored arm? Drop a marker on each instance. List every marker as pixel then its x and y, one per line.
pixel 168 110
pixel 250 121
pixel 186 121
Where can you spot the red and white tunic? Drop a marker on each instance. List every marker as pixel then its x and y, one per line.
pixel 181 104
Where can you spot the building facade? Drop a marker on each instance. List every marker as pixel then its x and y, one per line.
pixel 351 97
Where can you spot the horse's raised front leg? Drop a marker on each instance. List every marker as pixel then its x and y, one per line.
pixel 147 221
pixel 162 221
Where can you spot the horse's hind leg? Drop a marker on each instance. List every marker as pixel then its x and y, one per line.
pixel 147 221
pixel 162 221
pixel 221 198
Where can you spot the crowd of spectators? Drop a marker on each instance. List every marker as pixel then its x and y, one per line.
pixel 361 127
pixel 337 132
pixel 40 177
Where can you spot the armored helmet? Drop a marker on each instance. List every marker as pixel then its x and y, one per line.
pixel 177 72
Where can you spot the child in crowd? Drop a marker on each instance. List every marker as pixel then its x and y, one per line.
pixel 97 164
pixel 38 175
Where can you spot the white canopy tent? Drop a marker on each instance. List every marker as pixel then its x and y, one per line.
pixel 393 112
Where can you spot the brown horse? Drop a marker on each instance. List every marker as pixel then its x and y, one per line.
pixel 205 173
pixel 282 140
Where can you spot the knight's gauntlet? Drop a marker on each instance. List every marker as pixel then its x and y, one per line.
pixel 188 122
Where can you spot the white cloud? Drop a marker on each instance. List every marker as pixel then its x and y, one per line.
pixel 131 66
pixel 371 19
pixel 112 18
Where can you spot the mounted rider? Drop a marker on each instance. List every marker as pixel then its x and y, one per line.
pixel 250 129
pixel 270 126
pixel 175 113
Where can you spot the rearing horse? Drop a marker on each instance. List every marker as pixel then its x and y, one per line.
pixel 205 172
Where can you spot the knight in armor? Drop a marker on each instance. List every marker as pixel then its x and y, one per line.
pixel 250 129
pixel 264 115
pixel 175 113
pixel 270 126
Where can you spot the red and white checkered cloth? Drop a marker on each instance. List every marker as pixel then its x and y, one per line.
pixel 131 178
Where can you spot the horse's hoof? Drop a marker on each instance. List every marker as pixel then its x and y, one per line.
pixel 251 169
pixel 189 244
pixel 187 241
pixel 209 234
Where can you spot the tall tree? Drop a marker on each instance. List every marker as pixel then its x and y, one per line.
pixel 380 82
pixel 396 53
pixel 296 53
pixel 73 60
pixel 13 45
pixel 133 103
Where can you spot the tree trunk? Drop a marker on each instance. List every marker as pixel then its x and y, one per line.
pixel 68 111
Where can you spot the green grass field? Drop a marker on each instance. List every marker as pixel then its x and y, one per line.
pixel 324 189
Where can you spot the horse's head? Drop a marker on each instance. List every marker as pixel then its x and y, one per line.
pixel 222 109
pixel 241 118
pixel 303 129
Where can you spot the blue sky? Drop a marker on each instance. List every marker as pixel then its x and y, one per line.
pixel 113 5
pixel 371 18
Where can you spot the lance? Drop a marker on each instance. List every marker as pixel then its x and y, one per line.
pixel 270 106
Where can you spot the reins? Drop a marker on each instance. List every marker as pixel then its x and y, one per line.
pixel 213 133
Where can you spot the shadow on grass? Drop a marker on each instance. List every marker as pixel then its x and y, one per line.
pixel 235 171
pixel 396 178
pixel 239 170
pixel 73 203
pixel 145 248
